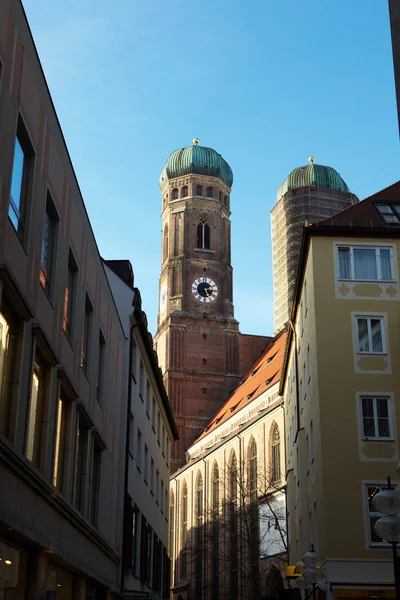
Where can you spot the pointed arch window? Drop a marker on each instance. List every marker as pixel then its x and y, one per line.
pixel 175 194
pixel 276 454
pixel 199 190
pixel 210 192
pixel 203 235
pixel 199 536
pixel 165 243
pixel 254 529
pixel 185 191
pixel 184 530
pixel 215 539
pixel 233 525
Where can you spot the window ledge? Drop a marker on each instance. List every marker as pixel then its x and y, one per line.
pixel 377 439
pixel 204 250
pixel 372 353
pixel 367 280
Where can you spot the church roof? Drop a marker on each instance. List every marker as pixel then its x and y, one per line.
pixel 198 160
pixel 313 175
pixel 262 375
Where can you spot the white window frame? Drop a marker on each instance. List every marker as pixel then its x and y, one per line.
pixel 373 514
pixel 377 249
pixel 374 397
pixel 368 317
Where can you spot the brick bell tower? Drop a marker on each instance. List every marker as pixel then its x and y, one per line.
pixel 198 338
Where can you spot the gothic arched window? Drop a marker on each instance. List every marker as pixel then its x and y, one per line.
pixel 165 243
pixel 184 530
pixel 220 196
pixel 210 192
pixel 199 190
pixel 215 539
pixel 171 536
pixel 185 191
pixel 175 194
pixel 233 525
pixel 254 531
pixel 199 535
pixel 275 454
pixel 203 235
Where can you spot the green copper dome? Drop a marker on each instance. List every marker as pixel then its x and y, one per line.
pixel 198 160
pixel 313 175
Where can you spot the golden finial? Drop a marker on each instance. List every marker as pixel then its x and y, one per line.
pixel 311 159
pixel 196 141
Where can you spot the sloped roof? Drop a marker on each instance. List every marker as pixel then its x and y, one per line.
pixel 364 213
pixel 263 374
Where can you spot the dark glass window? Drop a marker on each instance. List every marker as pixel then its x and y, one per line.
pixel 175 194
pixel 185 191
pixel 69 294
pixel 199 190
pixel 48 244
pixel 23 154
pixel 87 334
pixel 210 192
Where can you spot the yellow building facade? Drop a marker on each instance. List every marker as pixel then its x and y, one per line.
pixel 340 383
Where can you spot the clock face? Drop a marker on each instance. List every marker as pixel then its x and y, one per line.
pixel 204 289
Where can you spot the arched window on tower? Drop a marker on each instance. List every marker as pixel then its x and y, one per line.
pixel 165 243
pixel 275 449
pixel 210 192
pixel 215 539
pixel 199 190
pixel 175 194
pixel 184 530
pixel 199 536
pixel 220 196
pixel 254 529
pixel 185 191
pixel 203 235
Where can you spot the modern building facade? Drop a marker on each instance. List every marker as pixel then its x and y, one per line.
pixel 340 385
pixel 150 433
pixel 227 523
pixel 62 403
pixel 307 195
pixel 201 350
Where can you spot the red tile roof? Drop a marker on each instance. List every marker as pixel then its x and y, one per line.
pixel 263 374
pixel 364 214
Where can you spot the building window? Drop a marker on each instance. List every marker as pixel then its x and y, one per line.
pixel 203 235
pixel 69 295
pixel 390 213
pixel 145 551
pixel 153 414
pixel 35 412
pixel 175 194
pixel 95 487
pixel 167 451
pixel 375 418
pixel 48 244
pixel 372 515
pixel 165 242
pixel 215 532
pixel 254 525
pixel 370 336
pixel 135 532
pixel 131 426
pixel 308 365
pixel 87 334
pixel 233 526
pixel 141 380
pixel 60 442
pixel 171 536
pixel 8 343
pixel 23 155
pixel 100 366
pixel 184 531
pixel 199 536
pixel 162 496
pixel 210 192
pixel 365 264
pixel 163 441
pixel 152 476
pixel 199 190
pixel 148 394
pixel 185 191
pixel 146 464
pixel 139 450
pixel 157 486
pixel 275 455
pixel 134 359
pixel 220 196
pixel 158 427
pixel 81 461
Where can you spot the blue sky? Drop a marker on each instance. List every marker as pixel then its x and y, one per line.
pixel 265 83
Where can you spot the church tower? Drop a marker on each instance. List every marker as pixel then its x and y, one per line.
pixel 198 338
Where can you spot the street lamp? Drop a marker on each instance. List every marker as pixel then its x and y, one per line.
pixel 311 571
pixel 388 527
